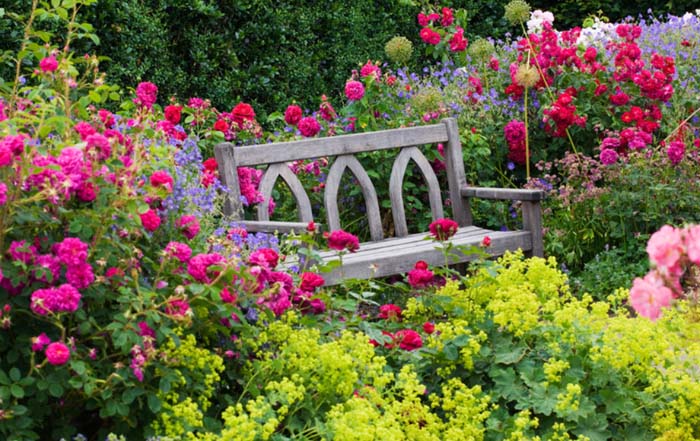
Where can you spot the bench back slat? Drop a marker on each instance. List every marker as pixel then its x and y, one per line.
pixel 267 183
pixel 278 156
pixel 398 171
pixel 335 175
pixel 339 145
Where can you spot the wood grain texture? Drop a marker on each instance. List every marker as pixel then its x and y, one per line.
pixel 401 259
pixel 339 145
pixel 454 165
pixel 228 174
pixel 255 226
pixel 532 221
pixel 398 171
pixel 267 183
pixel 335 175
pixel 514 194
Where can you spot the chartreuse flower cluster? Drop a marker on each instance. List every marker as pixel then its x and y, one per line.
pixel 196 372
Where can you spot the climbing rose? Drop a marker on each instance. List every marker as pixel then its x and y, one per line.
pixel 3 193
pixel 57 353
pixel 342 240
pixel 150 220
pixel 48 64
pixel 408 339
pixel 292 115
pixel 72 251
pixel 692 243
pixel 443 229
pixel 354 90
pixel 309 127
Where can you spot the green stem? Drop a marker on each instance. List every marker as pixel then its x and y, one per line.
pixel 527 139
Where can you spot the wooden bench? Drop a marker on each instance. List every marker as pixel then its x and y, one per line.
pixel 381 256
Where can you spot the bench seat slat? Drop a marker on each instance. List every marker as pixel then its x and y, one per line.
pixel 399 259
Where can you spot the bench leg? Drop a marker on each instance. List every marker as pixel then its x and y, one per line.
pixel 532 221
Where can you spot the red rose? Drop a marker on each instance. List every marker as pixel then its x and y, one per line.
pixel 292 115
pixel 243 112
pixel 408 339
pixel 429 36
pixel 486 242
pixel 221 126
pixel 265 257
pixel 310 281
pixel 210 165
pixel 443 229
pixel 342 240
pixel 428 327
pixel 390 312
pixel 173 113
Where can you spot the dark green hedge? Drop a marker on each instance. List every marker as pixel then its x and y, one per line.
pixel 270 52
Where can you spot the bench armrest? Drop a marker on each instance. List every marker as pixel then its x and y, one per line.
pixel 255 226
pixel 514 194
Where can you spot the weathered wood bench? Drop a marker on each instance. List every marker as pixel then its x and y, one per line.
pixel 381 256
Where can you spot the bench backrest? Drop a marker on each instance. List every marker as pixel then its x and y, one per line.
pixel 344 148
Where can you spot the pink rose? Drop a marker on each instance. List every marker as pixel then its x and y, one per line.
pixel 692 243
pixel 150 220
pixel 649 295
pixel 309 127
pixel 665 248
pixel 48 64
pixel 354 90
pixel 57 353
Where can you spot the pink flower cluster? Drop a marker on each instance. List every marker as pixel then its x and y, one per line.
pixel 248 181
pixel 370 69
pixel 188 225
pixel 672 252
pixel 420 276
pixel 563 114
pixel 309 127
pixel 515 133
pixel 146 94
pixel 55 300
pixel 200 267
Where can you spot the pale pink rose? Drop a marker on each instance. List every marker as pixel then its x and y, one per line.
pixel 665 248
pixel 649 295
pixel 692 243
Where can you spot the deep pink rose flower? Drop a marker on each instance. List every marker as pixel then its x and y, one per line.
pixel 408 339
pixel 310 281
pixel 146 94
pixel 162 178
pixel 309 127
pixel 354 90
pixel 443 229
pixel 48 64
pixel 292 115
pixel 342 240
pixel 266 257
pixel 429 36
pixel 198 266
pixel 243 112
pixel 428 327
pixel 57 353
pixel 39 342
pixel 150 220
pixel 390 312
pixel 189 225
pixel 179 251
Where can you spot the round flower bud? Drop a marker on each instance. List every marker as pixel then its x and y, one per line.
pixel 517 11
pixel 399 49
pixel 481 50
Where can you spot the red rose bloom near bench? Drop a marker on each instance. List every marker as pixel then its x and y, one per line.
pixel 382 256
